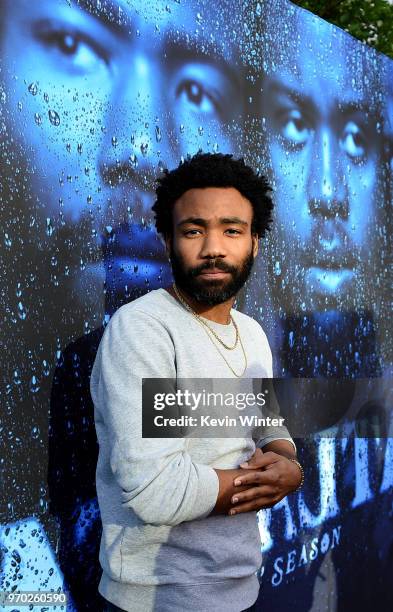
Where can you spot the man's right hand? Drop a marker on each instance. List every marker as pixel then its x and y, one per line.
pixel 267 478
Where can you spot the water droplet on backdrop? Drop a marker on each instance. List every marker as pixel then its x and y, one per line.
pixel 33 89
pixel 54 117
pixel 49 226
pixel 34 386
pixel 21 311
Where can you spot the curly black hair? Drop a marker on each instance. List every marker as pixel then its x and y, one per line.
pixel 213 170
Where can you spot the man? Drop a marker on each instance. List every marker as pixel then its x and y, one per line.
pixel 325 147
pixel 94 118
pixel 178 531
pixel 320 121
pixel 95 98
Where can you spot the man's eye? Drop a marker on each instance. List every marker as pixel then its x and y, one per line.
pixel 82 54
pixel 67 43
pixel 192 232
pixel 353 140
pixel 233 231
pixel 194 93
pixel 295 129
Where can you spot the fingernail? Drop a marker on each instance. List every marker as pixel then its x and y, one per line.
pixel 232 512
pixel 238 482
pixel 235 500
pixel 245 464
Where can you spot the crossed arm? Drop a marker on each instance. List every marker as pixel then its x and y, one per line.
pixel 263 481
pixel 158 478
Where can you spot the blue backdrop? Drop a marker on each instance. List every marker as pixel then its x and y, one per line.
pixel 96 98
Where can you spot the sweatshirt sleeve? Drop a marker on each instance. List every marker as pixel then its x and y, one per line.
pixel 157 477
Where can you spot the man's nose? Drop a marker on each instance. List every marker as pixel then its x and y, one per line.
pixel 327 188
pixel 136 144
pixel 212 246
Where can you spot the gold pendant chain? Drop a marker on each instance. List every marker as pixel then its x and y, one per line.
pixel 209 330
pixel 203 322
pixel 227 362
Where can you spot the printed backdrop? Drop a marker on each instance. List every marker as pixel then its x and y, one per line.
pixel 96 98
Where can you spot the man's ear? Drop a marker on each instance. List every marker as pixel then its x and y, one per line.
pixel 255 244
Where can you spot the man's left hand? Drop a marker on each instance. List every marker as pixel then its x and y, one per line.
pixel 273 477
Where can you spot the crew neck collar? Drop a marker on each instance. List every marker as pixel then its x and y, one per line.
pixel 221 326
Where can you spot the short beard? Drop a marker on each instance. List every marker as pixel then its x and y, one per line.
pixel 215 292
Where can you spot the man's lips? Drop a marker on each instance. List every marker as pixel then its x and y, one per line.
pixel 213 273
pixel 330 248
pixel 335 264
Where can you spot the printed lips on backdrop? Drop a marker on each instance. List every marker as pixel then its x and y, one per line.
pixel 96 98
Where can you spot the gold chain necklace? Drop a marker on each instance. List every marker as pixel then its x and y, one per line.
pixel 209 330
pixel 203 322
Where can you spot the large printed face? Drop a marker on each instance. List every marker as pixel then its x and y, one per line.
pixel 97 97
pixel 324 148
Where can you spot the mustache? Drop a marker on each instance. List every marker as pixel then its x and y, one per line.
pixel 214 263
pixel 341 253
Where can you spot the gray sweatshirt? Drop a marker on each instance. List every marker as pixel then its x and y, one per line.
pixel 160 548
